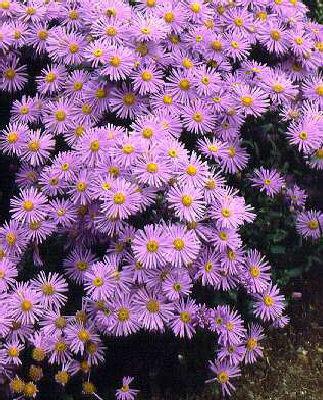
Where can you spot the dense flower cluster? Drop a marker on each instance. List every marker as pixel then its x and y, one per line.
pixel 124 136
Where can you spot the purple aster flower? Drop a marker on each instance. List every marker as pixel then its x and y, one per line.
pixel 119 63
pixel 51 289
pixel 79 336
pixel 37 147
pixel 125 392
pixel 310 224
pixel 270 304
pixel 274 36
pixel 98 281
pixel 296 196
pixel 13 138
pixel 207 267
pixel 25 304
pixel 8 274
pixel 122 200
pixel 255 268
pixel 267 180
pixel 182 322
pixel 51 79
pixel 13 236
pixel 153 311
pixel 184 246
pixel 253 349
pixel 12 76
pixel 198 117
pixel 306 134
pixel 234 354
pixel 177 284
pixel 253 101
pixel 124 320
pixel 147 79
pixel 30 206
pixel 223 372
pixel 77 263
pixel 152 170
pixel 187 203
pixel 150 246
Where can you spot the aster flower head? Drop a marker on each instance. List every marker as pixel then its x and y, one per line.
pixel 309 224
pixel 268 181
pixel 125 392
pixel 223 372
pixel 269 305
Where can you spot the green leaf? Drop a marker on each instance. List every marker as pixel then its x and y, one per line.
pixel 277 249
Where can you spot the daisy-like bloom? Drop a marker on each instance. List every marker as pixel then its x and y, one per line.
pixel 150 246
pixel 148 28
pixel 187 203
pixel 124 320
pixel 184 245
pixel 25 304
pixel 12 76
pixel 207 267
pixel 51 79
pixel 269 305
pixel 234 354
pixel 256 268
pixel 126 392
pixel 12 352
pixel 99 283
pixel 300 42
pixel 177 284
pixel 193 171
pixel 8 274
pixel 13 237
pixel 306 134
pixel 309 224
pixel 279 87
pixel 79 335
pixel 152 170
pixel 122 200
pixel 253 349
pixel 119 63
pixel 92 146
pixel 66 47
pixel 269 181
pixel 62 212
pixel 153 311
pixel 231 330
pixel 184 314
pixel 13 137
pixel 24 110
pixel 224 238
pixel 181 86
pixel 316 160
pixel 174 15
pixel 198 117
pixel 125 102
pixel 296 196
pixel 77 263
pixel 274 37
pixel 74 84
pixel 236 158
pixel 313 88
pixel 57 116
pixel 231 211
pixel 51 289
pixel 237 46
pixel 253 101
pixel 96 53
pixel 223 372
pixel 29 206
pixel 58 349
pixel 37 147
pixel 147 79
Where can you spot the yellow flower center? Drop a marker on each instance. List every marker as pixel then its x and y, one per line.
pixel 198 117
pixel 98 281
pixel 50 77
pixel 252 343
pixel 247 101
pixel 123 314
pixel 111 31
pixel 73 15
pixel 83 335
pixel 319 154
pixel 187 63
pixel 210 184
pixel 303 135
pixel 42 35
pixel 152 168
pixel 78 86
pixel 187 200
pixel 208 266
pixel 275 35
pixel 30 389
pixel 28 205
pixel 97 52
pixel 81 186
pixel 313 224
pixel 226 213
pixel 115 61
pixel 129 99
pixel 60 115
pixel 184 84
pixel 267 182
pixel 238 21
pixel 278 88
pixel 86 109
pixel 185 317
pixel 10 73
pixel 152 246
pixel 88 388
pixel 319 90
pixel 269 301
pixel 95 145
pixel 216 45
pixel 12 137
pixel 223 377
pixel 191 170
pixel 13 352
pixel 299 41
pixel 178 244
pixel 254 271
pixel 169 17
pixel 195 7
pixel 119 198
pixel 11 238
pixel 26 305
pixel 62 377
pixel 146 76
pixel 234 44
pixel 48 289
pixel 82 265
pixel 73 48
pixel 153 306
pixel 223 235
